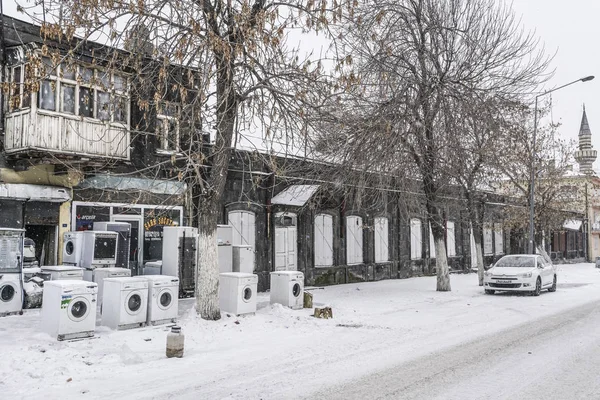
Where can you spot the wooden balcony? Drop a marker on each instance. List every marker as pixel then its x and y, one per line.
pixel 30 131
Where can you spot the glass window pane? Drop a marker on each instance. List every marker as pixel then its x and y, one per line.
pixel 121 109
pixel 17 75
pixel 48 67
pixel 120 82
pixel 47 99
pixel 103 112
pixel 172 138
pixel 86 74
pixel 86 102
pixel 104 79
pixel 68 98
pixel 68 71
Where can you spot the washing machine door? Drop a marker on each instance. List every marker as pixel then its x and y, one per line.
pixel 247 294
pixel 69 247
pixel 7 292
pixel 133 303
pixel 165 299
pixel 79 308
pixel 296 289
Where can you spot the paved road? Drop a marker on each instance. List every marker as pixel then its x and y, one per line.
pixel 557 357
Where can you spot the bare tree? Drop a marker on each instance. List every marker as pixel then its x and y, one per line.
pixel 413 66
pixel 237 75
pixel 553 159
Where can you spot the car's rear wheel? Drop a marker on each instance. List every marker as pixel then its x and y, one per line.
pixel 553 288
pixel 538 287
pixel 488 291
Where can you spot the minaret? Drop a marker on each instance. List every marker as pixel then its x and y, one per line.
pixel 586 154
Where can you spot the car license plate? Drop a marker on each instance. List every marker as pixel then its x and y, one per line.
pixel 503 281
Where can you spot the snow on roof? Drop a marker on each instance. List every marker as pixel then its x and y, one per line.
pixel 572 224
pixel 295 195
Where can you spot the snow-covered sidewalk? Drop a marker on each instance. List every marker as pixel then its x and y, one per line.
pixel 278 353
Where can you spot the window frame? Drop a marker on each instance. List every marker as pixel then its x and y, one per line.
pixel 498 236
pixel 55 74
pixel 163 120
pixel 488 238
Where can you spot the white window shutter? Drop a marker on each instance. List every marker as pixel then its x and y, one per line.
pixel 415 239
pixel 488 247
pixel 499 238
pixel 431 243
pixel 327 240
pixel 244 228
pixel 381 239
pixel 451 239
pixel 354 240
pixel 319 239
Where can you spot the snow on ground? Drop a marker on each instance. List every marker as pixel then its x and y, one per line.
pixel 277 353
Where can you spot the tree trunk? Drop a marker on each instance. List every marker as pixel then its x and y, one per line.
pixel 207 281
pixel 476 218
pixel 479 254
pixel 441 265
pixel 210 200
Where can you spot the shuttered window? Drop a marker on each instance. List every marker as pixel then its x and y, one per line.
pixel 323 240
pixel 354 240
pixel 431 243
pixel 416 243
pixel 244 228
pixel 488 247
pixel 450 239
pixel 382 253
pixel 499 238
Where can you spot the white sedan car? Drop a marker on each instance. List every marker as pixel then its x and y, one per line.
pixel 520 272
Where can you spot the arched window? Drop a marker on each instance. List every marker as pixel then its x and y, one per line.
pixel 323 240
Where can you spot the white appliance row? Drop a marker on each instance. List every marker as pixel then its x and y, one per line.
pixel 237 291
pixel 69 306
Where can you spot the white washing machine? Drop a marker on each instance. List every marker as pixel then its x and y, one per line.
pixel 237 292
pixel 11 294
pixel 69 309
pixel 100 274
pixel 125 302
pixel 163 302
pixel 62 272
pixel 287 288
pixel 72 248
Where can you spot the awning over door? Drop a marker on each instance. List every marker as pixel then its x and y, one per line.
pixel 295 195
pixel 572 224
pixel 157 186
pixel 23 191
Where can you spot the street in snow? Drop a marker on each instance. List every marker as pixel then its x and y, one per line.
pixel 384 340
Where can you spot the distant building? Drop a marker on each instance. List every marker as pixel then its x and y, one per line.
pixel 586 154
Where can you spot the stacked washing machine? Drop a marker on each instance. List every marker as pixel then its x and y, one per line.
pixel 11 271
pixel 287 289
pixel 237 292
pixel 90 250
pixel 69 309
pixel 61 272
pixel 123 240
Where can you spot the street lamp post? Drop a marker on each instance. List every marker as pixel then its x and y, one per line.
pixel 532 177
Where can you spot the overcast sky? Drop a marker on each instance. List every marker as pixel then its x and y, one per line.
pixel 571 29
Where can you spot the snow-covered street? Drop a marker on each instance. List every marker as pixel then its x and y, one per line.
pixel 280 353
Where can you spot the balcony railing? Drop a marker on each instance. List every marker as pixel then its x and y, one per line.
pixel 60 134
